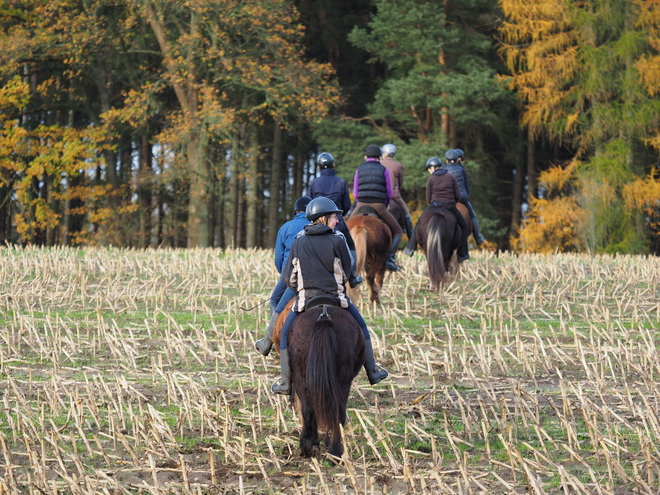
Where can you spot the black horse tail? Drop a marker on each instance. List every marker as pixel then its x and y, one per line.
pixel 434 259
pixel 322 381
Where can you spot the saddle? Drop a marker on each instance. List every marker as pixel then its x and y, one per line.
pixel 321 300
pixel 367 211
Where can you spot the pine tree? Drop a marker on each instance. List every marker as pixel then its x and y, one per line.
pixel 584 71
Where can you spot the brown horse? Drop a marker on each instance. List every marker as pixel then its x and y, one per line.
pixel 440 237
pixel 326 352
pixel 372 238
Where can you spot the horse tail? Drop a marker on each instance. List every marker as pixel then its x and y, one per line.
pixel 435 261
pixel 359 235
pixel 322 381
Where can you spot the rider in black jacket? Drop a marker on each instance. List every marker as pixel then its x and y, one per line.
pixel 453 159
pixel 319 264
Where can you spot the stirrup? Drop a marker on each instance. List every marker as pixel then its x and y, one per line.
pixel 354 281
pixel 391 266
pixel 278 388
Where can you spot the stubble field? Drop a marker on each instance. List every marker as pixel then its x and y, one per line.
pixel 134 372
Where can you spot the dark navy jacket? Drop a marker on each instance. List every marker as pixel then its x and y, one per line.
pixel 330 186
pixel 285 237
pixel 372 183
pixel 461 177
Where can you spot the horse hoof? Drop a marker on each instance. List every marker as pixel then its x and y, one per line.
pixel 408 251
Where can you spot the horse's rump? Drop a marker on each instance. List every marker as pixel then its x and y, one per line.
pixel 325 354
pixel 372 238
pixel 437 235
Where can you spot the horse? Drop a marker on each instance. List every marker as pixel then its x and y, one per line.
pixel 326 352
pixel 372 238
pixel 466 215
pixel 440 237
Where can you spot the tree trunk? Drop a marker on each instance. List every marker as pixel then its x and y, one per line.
pixel 54 205
pixel 531 166
pixel 275 185
pixel 185 89
pixel 296 192
pixel 145 182
pixel 234 196
pixel 516 204
pixel 252 189
pixel 198 211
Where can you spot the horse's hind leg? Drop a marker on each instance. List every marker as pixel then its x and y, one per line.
pixel 309 436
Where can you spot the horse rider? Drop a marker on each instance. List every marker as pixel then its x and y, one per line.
pixel 335 188
pixel 453 165
pixel 442 191
pixel 318 265
pixel 396 175
pixel 281 294
pixel 372 186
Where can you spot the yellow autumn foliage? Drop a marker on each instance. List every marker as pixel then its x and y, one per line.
pixel 553 223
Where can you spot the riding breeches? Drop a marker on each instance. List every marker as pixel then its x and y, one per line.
pixel 385 216
pixel 402 204
pixel 291 317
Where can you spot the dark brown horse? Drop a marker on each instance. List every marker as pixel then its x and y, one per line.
pixel 439 236
pixel 372 238
pixel 326 352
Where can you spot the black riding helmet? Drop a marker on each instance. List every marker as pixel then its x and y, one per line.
pixel 325 160
pixel 320 207
pixel 452 155
pixel 301 203
pixel 433 162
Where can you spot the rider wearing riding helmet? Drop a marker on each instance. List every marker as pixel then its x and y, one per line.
pixel 442 191
pixel 453 165
pixel 318 265
pixel 281 294
pixel 330 186
pixel 396 175
pixel 372 186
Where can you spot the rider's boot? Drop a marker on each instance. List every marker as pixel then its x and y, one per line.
pixel 283 385
pixel 390 262
pixel 409 228
pixel 266 344
pixel 463 251
pixel 375 373
pixel 354 279
pixel 476 233
pixel 475 226
pixel 412 245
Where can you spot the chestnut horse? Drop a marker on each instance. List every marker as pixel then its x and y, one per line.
pixel 326 352
pixel 372 238
pixel 439 236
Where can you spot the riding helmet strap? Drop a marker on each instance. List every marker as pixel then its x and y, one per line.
pixel 324 314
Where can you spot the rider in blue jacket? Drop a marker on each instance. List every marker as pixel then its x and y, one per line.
pixel 318 265
pixel 281 294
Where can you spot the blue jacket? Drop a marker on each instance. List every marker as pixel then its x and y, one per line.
pixel 330 186
pixel 285 237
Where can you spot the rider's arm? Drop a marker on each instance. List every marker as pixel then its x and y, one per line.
pixel 388 186
pixel 279 250
pixel 355 187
